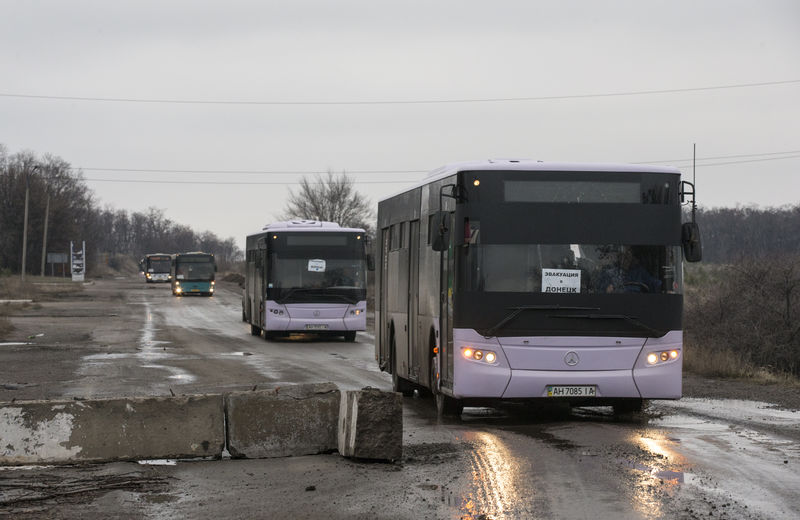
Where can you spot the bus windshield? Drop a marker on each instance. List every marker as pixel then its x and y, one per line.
pixel 158 265
pixel 571 268
pixel 317 267
pixel 194 269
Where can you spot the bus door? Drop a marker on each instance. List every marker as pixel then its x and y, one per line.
pixel 415 347
pixel 446 308
pixel 250 287
pixel 383 325
pixel 260 285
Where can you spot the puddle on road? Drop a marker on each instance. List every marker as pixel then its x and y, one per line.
pixel 150 352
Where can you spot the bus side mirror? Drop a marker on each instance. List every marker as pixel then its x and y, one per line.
pixel 370 262
pixel 690 240
pixel 440 233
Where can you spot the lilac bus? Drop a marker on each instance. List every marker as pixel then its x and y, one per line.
pixel 306 276
pixel 519 280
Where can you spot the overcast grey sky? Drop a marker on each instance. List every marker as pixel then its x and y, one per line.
pixel 293 86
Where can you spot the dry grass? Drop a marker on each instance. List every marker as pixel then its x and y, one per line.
pixel 5 325
pixel 741 320
pixel 36 288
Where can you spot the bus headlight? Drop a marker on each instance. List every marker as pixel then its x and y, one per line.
pixel 663 356
pixel 479 355
pixel 178 290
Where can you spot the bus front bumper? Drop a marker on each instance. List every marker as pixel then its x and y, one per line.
pixel 314 318
pixel 633 377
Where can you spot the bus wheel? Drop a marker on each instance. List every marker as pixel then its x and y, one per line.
pixel 446 406
pixel 350 336
pixel 627 406
pixel 255 330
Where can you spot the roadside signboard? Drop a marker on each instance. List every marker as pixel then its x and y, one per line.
pixel 78 262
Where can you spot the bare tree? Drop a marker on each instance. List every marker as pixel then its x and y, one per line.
pixel 332 198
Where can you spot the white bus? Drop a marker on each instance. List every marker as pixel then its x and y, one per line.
pixel 306 277
pixel 519 280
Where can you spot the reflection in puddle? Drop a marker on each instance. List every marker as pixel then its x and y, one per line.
pixel 150 352
pixel 646 496
pixel 493 478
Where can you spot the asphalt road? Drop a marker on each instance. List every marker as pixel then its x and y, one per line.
pixel 694 458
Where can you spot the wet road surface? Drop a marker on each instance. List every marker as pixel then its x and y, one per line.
pixel 693 458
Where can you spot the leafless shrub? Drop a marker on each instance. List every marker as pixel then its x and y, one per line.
pixel 743 319
pixel 5 323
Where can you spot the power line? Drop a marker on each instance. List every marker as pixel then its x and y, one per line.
pixel 245 172
pixel 406 181
pixel 748 161
pixel 360 172
pixel 398 102
pixel 231 183
pixel 720 157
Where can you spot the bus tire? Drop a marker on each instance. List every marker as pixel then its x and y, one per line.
pixel 628 406
pixel 350 336
pixel 446 406
pixel 255 330
pixel 398 383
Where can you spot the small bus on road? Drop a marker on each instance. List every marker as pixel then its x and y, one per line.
pixel 193 273
pixel 156 267
pixel 521 280
pixel 306 276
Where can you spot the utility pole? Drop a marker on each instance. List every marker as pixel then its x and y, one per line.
pixel 44 239
pixel 25 220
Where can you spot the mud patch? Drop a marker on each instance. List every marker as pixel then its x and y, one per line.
pixel 29 493
pixel 433 453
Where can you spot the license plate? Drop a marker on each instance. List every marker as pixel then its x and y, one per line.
pixel 195 290
pixel 316 327
pixel 571 391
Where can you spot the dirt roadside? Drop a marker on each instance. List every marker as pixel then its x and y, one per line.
pixel 780 394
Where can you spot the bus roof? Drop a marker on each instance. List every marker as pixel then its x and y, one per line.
pixel 307 225
pixel 533 165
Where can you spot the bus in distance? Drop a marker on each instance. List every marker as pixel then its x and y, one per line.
pixel 525 280
pixel 306 276
pixel 193 273
pixel 156 267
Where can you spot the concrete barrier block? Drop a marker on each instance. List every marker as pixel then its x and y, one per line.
pixel 371 425
pixel 286 421
pixel 96 430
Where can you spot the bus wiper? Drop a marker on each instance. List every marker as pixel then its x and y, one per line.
pixel 519 310
pixel 630 319
pixel 291 292
pixel 348 299
pixel 308 292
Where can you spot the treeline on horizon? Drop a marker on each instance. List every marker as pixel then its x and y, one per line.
pixel 729 234
pixel 74 215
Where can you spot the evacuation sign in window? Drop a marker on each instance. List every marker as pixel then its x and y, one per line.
pixel 316 265
pixel 566 281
